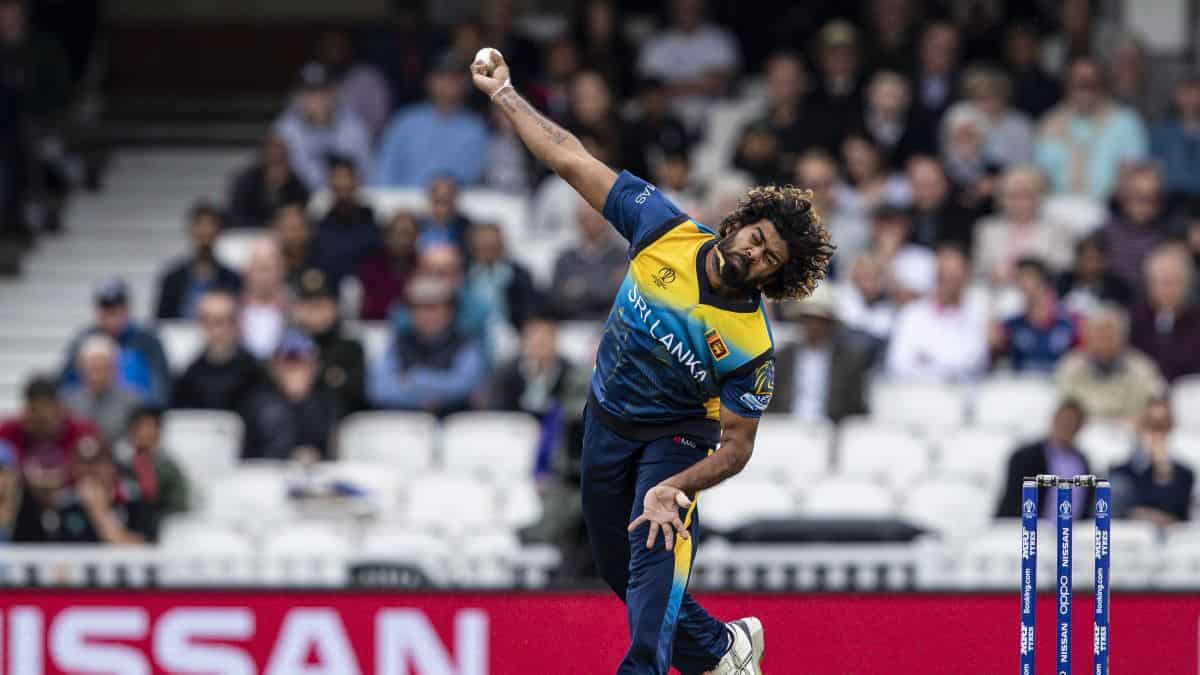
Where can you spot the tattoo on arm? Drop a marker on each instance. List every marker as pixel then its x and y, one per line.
pixel 512 102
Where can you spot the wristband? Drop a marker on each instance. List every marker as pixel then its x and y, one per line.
pixel 507 85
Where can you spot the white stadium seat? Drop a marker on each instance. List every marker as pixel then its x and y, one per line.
pixel 380 481
pixel 741 501
pixel 975 451
pixel 498 445
pixel 950 506
pixel 1106 444
pixel 200 537
pixel 1023 405
pixel 252 496
pixel 206 443
pixel 578 341
pixel 376 337
pixel 789 450
pixel 843 497
pixel 1185 447
pixel 1185 400
pixel 925 406
pixel 881 452
pixel 403 441
pixel 306 538
pixel 521 504
pixel 182 341
pixel 451 504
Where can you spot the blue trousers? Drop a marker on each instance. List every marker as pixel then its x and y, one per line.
pixel 667 627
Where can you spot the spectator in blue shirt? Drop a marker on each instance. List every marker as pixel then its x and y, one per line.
pixel 141 361
pixel 1175 142
pixel 445 224
pixel 437 137
pixel 1036 340
pixel 430 365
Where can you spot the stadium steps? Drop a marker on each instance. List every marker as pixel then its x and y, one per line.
pixel 131 229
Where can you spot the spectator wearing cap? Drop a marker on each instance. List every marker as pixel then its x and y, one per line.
pixel 938 216
pixel 1082 142
pixel 435 138
pixel 141 361
pixel 695 57
pixel 1141 222
pixel 492 274
pixel 1166 325
pixel 887 118
pixel 257 192
pixel 1112 380
pixel 1090 281
pixel 1008 132
pixel 1057 453
pixel 864 303
pixel 290 416
pixel 431 365
pixel 839 74
pixel 95 503
pixel 1037 339
pixel 385 272
pixel 45 433
pixel 160 480
pixel 293 232
pixel 823 375
pixel 1152 485
pixel 910 270
pixel 10 490
pixel 943 337
pixel 188 280
pixel 265 299
pixel 347 233
pixel 1175 141
pixel 99 396
pixel 343 365
pixel 444 222
pixel 225 371
pixel 1019 230
pixel 588 274
pixel 1034 91
pixel 317 125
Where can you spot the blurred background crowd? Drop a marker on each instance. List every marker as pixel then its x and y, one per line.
pixel 1013 188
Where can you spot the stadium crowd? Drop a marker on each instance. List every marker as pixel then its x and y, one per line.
pixel 1009 188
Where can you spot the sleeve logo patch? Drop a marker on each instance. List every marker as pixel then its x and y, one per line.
pixel 715 344
pixel 755 402
pixel 764 379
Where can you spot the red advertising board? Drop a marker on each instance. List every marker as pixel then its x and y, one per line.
pixel 351 633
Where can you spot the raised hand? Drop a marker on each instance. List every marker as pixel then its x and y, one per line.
pixel 491 75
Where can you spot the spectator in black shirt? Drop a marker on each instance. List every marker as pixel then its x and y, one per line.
pixel 343 364
pixel 493 275
pixel 839 75
pixel 654 132
pixel 1033 90
pixel 98 504
pixel 597 31
pixel 1152 486
pixel 892 33
pixel 289 416
pixel 258 191
pixel 188 280
pixel 936 81
pixel 294 234
pixel 888 119
pixel 347 233
pixel 1091 281
pixel 937 216
pixel 224 372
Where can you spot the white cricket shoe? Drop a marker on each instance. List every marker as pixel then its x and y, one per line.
pixel 745 648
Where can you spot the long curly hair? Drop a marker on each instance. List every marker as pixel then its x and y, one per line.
pixel 795 217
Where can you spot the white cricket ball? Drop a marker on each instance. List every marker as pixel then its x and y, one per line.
pixel 485 57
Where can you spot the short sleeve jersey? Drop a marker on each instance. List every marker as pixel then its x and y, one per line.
pixel 673 350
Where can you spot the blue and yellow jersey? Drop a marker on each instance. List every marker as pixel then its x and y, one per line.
pixel 673 351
